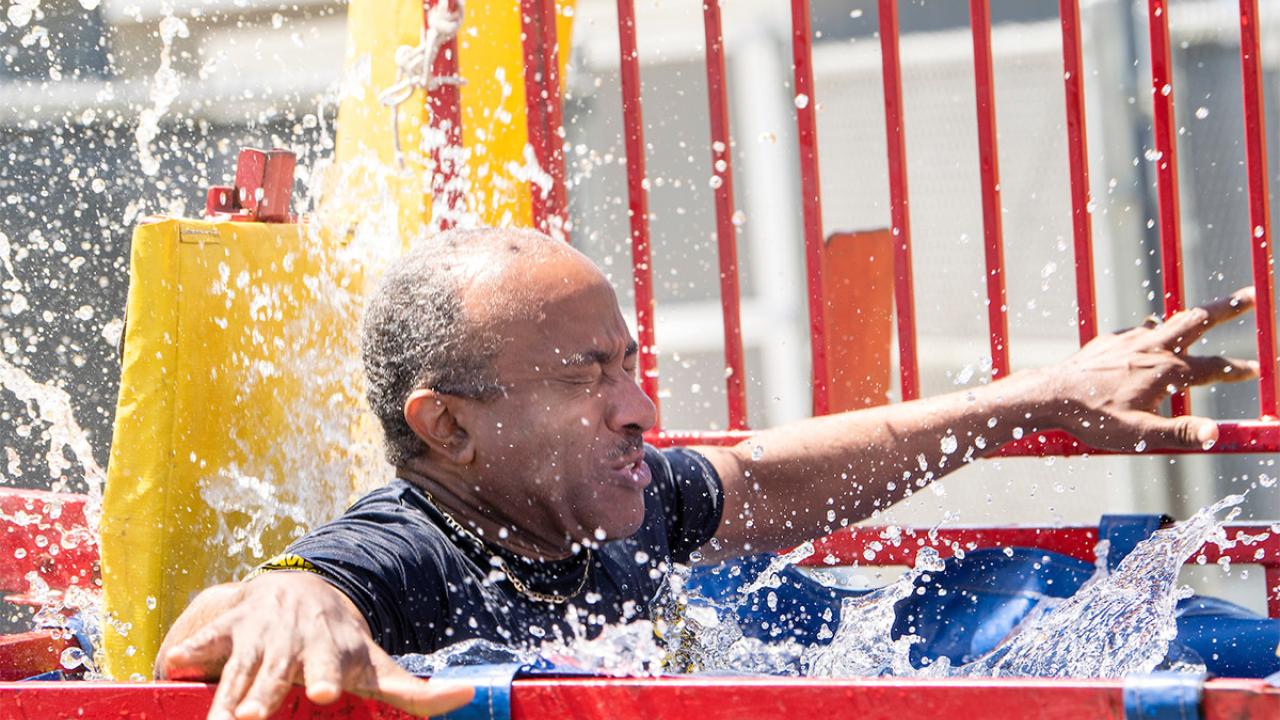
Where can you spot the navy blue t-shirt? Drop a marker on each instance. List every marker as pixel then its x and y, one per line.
pixel 422 586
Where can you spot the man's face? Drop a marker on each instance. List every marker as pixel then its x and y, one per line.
pixel 562 448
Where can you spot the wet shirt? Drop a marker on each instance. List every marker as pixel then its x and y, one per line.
pixel 422 586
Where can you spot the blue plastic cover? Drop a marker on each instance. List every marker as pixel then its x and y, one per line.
pixel 493 690
pixel 987 594
pixel 1163 696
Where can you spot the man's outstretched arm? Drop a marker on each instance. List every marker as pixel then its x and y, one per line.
pixel 783 486
pixel 262 636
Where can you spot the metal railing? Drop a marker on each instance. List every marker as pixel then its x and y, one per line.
pixel 546 134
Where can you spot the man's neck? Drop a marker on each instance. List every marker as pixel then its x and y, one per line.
pixel 450 493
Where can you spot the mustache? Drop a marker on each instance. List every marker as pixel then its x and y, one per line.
pixel 630 445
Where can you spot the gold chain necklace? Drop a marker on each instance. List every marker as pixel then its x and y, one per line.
pixel 501 563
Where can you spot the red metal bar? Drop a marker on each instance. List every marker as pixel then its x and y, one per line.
pixel 878 546
pixel 45 533
pixel 900 545
pixel 899 205
pixel 1271 579
pixel 1078 157
pixel 680 438
pixel 545 112
pixel 444 102
pixel 638 200
pixel 849 546
pixel 726 231
pixel 989 161
pixel 1255 138
pixel 32 653
pixel 707 698
pixel 810 193
pixel 1166 147
pixel 1242 436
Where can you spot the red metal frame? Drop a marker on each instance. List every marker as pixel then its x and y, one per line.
pixel 904 296
pixel 810 193
pixel 852 545
pixel 444 102
pixel 638 201
pixel 726 232
pixel 45 533
pixel 1258 435
pixel 545 111
pixel 1166 149
pixel 1259 203
pixel 262 190
pixel 707 698
pixel 989 167
pixel 1078 157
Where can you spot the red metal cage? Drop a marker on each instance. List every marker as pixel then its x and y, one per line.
pixel 1261 434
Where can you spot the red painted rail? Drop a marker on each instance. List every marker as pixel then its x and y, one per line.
pixel 545 113
pixel 638 200
pixel 878 546
pixel 1255 435
pixel 705 698
pixel 726 230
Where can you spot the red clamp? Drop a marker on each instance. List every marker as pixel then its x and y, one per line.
pixel 262 190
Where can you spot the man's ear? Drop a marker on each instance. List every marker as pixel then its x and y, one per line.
pixel 432 419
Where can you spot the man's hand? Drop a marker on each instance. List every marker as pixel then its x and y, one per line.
pixel 1107 394
pixel 263 636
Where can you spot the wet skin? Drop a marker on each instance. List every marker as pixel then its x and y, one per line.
pixel 552 463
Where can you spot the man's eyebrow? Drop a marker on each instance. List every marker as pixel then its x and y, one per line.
pixel 585 358
pixel 597 356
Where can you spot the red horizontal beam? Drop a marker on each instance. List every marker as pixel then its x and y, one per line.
pixel 1234 436
pixel 899 546
pixel 703 698
pixel 28 654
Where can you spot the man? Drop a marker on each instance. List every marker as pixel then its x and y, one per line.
pixel 504 376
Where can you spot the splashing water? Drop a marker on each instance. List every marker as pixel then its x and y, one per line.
pixel 1117 624
pixel 164 90
pixel 863 643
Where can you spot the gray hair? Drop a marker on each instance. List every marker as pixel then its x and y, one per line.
pixel 417 335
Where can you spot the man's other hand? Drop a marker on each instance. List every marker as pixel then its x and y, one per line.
pixel 1107 394
pixel 259 638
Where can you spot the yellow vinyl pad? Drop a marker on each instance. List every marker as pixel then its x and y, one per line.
pixel 236 419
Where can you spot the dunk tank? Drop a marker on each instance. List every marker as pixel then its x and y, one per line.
pixel 240 321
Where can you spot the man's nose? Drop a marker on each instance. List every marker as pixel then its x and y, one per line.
pixel 631 409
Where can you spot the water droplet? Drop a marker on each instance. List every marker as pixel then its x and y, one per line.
pixel 1140 446
pixel 949 444
pixel 757 452
pixel 1017 433
pixel 599 534
pixel 1166 90
pixel 72 658
pixel 739 218
pixel 98 185
pixel 802 101
pixel 715 182
pixel 1202 112
pixel 151 602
